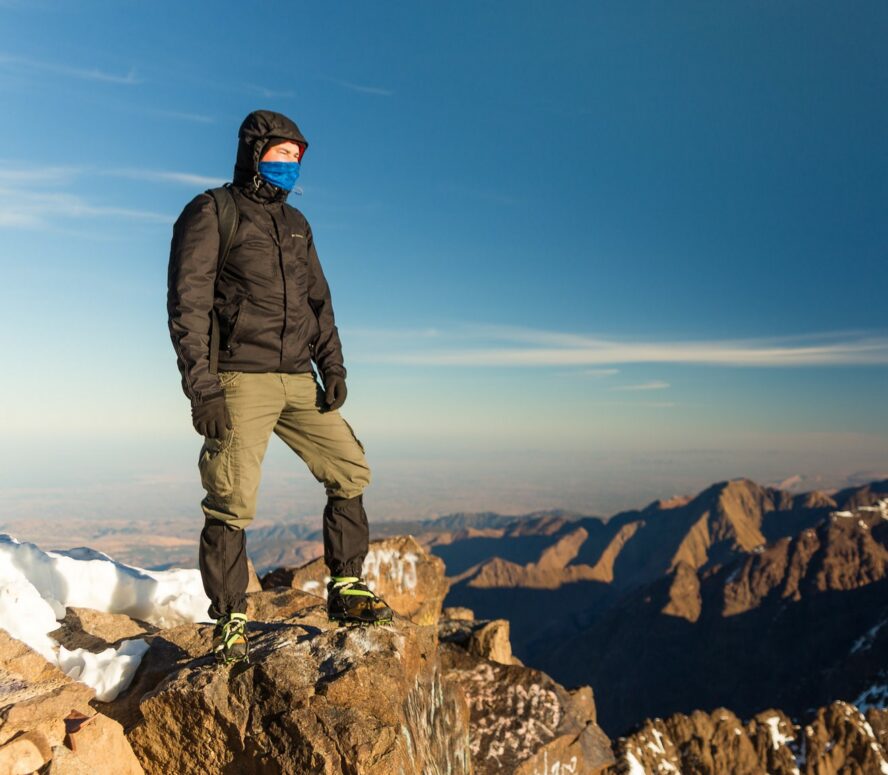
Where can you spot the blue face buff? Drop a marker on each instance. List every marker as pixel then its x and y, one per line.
pixel 282 174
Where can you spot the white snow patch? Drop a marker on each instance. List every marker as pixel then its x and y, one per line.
pixel 635 767
pixel 36 586
pixel 777 737
pixel 842 514
pixel 109 672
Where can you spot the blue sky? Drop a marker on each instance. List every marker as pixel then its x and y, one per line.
pixel 581 254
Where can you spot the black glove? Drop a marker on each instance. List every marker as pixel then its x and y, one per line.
pixel 211 418
pixel 335 391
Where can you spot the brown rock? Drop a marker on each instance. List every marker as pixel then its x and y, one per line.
pixel 398 569
pixel 275 605
pixel 35 696
pixel 96 745
pixel 458 613
pixel 253 583
pixel 838 740
pixel 523 722
pixel 169 650
pixel 491 641
pixel 97 630
pixel 313 699
pixel 25 753
pixel 714 743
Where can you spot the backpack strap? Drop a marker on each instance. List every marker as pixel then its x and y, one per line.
pixel 226 207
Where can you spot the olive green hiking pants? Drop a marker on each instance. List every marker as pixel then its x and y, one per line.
pixel 292 406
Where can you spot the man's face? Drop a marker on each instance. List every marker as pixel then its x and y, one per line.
pixel 287 151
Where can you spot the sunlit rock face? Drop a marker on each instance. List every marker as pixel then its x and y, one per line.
pixel 46 720
pixel 398 569
pixel 313 699
pixel 521 721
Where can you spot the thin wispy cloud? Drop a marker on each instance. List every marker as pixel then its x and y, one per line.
pixel 364 89
pixel 523 347
pixel 86 74
pixel 30 195
pixel 654 385
pixel 33 209
pixel 29 176
pixel 161 176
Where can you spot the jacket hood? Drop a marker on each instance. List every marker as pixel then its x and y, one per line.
pixel 253 137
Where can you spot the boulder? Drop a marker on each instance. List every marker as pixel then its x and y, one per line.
pixel 491 641
pixel 314 698
pixel 169 650
pixel 25 753
pixel 411 580
pixel 97 630
pixel 36 696
pixel 94 744
pixel 46 717
pixel 482 637
pixel 522 722
pixel 172 648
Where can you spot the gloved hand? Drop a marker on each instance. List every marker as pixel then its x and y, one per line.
pixel 211 418
pixel 335 391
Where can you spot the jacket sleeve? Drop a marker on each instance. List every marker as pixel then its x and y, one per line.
pixel 328 349
pixel 194 257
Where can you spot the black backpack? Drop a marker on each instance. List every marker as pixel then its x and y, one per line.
pixel 228 221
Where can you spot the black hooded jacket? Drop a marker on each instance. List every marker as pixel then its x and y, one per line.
pixel 272 298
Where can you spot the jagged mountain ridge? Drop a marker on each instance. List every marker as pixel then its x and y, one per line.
pixel 635 547
pixel 838 738
pixel 796 625
pixel 582 582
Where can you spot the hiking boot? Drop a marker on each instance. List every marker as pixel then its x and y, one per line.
pixel 230 639
pixel 349 601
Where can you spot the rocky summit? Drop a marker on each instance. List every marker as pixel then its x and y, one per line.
pixel 402 699
pixel 313 699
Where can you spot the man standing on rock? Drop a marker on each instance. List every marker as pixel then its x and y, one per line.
pixel 246 325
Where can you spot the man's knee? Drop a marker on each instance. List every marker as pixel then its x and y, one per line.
pixel 348 481
pixel 234 512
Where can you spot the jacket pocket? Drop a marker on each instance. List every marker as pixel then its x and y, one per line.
pixel 235 325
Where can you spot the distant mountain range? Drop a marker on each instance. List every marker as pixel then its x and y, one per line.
pixel 744 596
